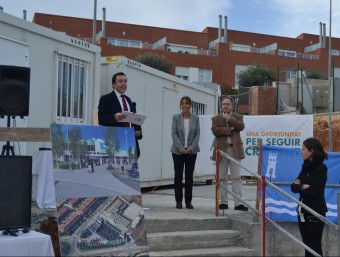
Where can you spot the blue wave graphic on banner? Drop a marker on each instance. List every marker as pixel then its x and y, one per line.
pixel 283 165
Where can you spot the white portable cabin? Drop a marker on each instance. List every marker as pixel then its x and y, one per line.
pixel 64 75
pixel 157 95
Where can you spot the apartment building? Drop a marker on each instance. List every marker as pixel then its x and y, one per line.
pixel 214 55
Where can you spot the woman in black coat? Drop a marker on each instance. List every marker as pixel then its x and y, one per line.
pixel 310 184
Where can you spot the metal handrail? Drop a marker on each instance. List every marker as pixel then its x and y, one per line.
pixel 322 218
pixel 273 223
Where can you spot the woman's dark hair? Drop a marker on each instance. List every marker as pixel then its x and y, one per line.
pixel 315 145
pixel 187 98
pixel 114 77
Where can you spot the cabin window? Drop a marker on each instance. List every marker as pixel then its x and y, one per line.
pixel 198 108
pixel 71 84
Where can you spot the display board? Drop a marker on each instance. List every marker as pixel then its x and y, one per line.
pixel 99 204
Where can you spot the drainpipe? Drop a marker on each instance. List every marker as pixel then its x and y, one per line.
pixel 324 36
pixel 225 28
pixel 101 33
pixel 104 22
pixel 219 27
pixel 320 36
pixel 94 29
pixel 330 78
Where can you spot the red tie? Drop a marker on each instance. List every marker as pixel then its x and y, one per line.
pixel 125 107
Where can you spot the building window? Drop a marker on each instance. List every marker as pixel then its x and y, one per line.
pixel 198 108
pixel 71 90
pixel 134 44
pixel 183 77
pixel 204 75
pixel 124 42
pixel 286 53
pixel 182 72
pixel 294 74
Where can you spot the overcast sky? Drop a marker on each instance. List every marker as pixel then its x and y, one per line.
pixel 287 18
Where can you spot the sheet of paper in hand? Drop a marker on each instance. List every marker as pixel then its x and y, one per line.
pixel 134 118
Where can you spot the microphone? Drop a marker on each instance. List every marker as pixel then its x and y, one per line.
pixel 133 107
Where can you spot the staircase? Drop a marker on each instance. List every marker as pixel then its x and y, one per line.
pixel 194 237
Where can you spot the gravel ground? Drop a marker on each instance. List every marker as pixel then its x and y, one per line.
pixel 44 221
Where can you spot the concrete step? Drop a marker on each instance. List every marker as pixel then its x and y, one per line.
pixel 183 240
pixel 169 225
pixel 219 251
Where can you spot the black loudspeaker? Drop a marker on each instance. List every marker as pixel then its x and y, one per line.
pixel 15 192
pixel 14 91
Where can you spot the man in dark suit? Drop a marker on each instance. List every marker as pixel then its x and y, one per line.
pixel 226 127
pixel 112 104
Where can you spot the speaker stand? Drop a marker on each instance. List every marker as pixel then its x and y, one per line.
pixel 10 232
pixel 7 147
pixel 13 232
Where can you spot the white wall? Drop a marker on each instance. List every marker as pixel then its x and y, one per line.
pixel 157 95
pixel 41 45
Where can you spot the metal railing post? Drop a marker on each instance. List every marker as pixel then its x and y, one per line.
pixel 259 166
pixel 217 190
pixel 263 216
pixel 262 213
pixel 338 204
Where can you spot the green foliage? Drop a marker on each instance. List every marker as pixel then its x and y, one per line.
pixel 313 74
pixel 156 61
pixel 57 140
pixel 130 152
pixel 256 75
pixel 111 142
pixel 228 91
pixel 75 143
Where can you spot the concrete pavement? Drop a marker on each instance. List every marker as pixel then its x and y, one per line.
pixel 160 203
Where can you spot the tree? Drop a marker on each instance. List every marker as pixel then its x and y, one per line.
pixel 313 74
pixel 156 61
pixel 75 139
pixel 111 141
pixel 256 75
pixel 131 153
pixel 58 142
pixel 228 90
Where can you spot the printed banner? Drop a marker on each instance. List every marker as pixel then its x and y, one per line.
pixel 275 130
pixel 282 165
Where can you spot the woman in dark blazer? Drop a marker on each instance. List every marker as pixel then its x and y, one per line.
pixel 310 184
pixel 185 135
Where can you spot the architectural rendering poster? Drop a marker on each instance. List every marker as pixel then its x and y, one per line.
pixel 99 204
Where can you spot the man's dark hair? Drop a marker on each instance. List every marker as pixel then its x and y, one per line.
pixel 227 97
pixel 114 77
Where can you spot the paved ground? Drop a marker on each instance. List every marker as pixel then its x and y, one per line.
pixel 160 202
pixel 81 183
